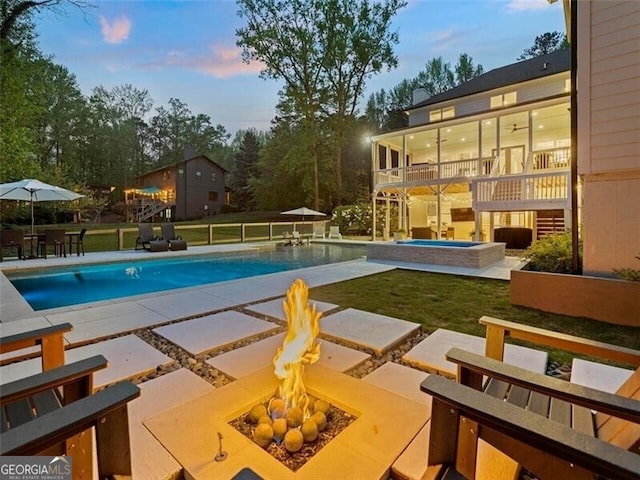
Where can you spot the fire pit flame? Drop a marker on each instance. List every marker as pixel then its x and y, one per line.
pixel 298 348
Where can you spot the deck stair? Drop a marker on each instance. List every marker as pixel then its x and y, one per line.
pixel 148 209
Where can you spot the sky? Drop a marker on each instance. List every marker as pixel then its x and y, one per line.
pixel 186 49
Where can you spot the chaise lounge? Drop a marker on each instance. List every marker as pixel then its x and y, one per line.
pixel 149 241
pixel 176 242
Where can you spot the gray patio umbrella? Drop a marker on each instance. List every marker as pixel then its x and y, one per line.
pixel 35 191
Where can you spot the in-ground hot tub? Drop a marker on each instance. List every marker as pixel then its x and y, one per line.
pixel 438 252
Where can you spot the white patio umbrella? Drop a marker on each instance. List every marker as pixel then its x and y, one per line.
pixel 35 191
pixel 303 212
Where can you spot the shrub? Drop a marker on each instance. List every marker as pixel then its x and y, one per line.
pixel 359 217
pixel 552 253
pixel 629 274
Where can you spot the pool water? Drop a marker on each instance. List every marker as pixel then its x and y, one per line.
pixel 58 287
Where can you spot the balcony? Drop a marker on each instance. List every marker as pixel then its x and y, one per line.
pixel 531 191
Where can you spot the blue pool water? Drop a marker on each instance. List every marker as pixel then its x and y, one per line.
pixel 58 287
pixel 440 243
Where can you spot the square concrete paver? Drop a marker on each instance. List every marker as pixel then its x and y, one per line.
pixel 148 457
pixel 430 353
pixel 400 380
pixel 246 360
pixel 273 308
pixel 369 330
pixel 598 375
pixel 202 335
pixel 128 357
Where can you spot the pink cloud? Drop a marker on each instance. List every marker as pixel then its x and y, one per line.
pixel 224 62
pixel 116 31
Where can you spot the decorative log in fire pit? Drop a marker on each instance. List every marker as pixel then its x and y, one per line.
pixel 291 426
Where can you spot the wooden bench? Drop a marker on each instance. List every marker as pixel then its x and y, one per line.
pixel 53 412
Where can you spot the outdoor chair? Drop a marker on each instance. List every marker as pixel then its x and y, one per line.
pixel 176 242
pixel 149 241
pixel 55 238
pixel 12 239
pixel 298 239
pixel 54 412
pixel 334 232
pixel 518 418
pixel 78 239
pixel 287 239
pixel 318 231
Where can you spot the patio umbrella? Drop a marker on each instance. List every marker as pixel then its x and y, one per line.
pixel 35 191
pixel 303 212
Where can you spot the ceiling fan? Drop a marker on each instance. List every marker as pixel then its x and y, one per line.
pixel 516 128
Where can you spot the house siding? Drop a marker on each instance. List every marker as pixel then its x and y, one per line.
pixel 536 90
pixel 609 132
pixel 192 192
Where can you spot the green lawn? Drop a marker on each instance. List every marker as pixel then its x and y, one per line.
pixel 456 303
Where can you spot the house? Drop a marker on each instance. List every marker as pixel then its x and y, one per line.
pixel 490 155
pixel 191 188
pixel 608 132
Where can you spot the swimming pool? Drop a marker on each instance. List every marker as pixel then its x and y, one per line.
pixel 63 286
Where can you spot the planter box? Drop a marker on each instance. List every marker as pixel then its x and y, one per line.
pixel 606 299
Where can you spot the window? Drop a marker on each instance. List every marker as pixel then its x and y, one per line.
pixel 442 114
pixel 395 158
pixel 181 171
pixel 213 176
pixel 213 196
pixel 504 100
pixel 198 174
pixel 382 157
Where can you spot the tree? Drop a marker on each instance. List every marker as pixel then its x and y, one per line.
pixel 545 43
pixel 323 51
pixel 358 42
pixel 245 169
pixel 386 109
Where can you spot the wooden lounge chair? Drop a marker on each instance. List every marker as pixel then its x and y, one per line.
pixel 176 242
pixel 53 412
pixel 521 418
pixel 149 241
pixel 12 239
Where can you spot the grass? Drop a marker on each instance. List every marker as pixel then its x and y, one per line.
pixel 456 303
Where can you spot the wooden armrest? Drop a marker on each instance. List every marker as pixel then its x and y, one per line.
pixel 32 338
pixel 593 399
pixel 498 329
pixel 36 435
pixel 533 430
pixel 57 377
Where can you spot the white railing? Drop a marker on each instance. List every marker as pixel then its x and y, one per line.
pixel 551 159
pixel 425 172
pixel 541 187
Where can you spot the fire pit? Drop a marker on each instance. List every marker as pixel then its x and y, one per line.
pixel 381 424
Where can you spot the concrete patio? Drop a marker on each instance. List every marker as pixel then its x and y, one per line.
pixel 185 344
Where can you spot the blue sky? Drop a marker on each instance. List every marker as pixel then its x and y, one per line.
pixel 186 49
